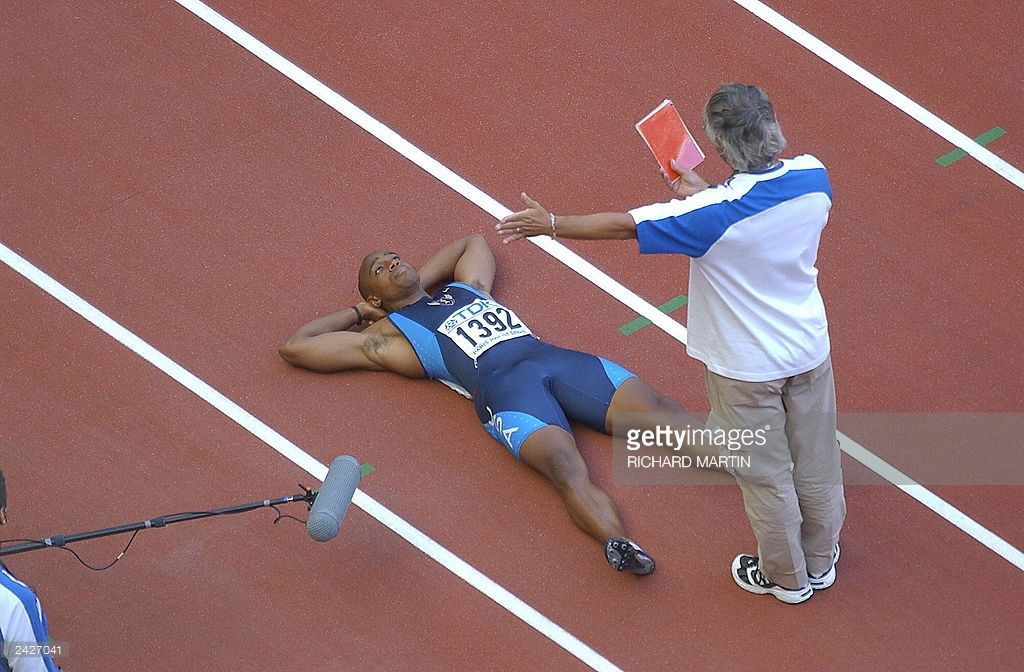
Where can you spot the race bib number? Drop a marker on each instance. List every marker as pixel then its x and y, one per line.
pixel 481 325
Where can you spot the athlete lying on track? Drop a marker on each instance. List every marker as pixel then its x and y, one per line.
pixel 526 391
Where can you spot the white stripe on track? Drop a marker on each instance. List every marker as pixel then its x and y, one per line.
pixel 317 469
pixel 902 102
pixel 489 205
pixel 986 537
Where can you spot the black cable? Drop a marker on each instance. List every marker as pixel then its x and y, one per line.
pixel 78 557
pixel 112 562
pixel 120 555
pixel 284 515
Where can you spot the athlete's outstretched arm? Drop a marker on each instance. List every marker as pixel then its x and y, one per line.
pixel 467 260
pixel 326 345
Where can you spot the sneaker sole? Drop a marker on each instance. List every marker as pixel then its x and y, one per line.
pixel 826 580
pixel 644 571
pixel 620 548
pixel 781 594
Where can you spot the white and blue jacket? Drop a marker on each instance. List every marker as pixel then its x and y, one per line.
pixel 754 312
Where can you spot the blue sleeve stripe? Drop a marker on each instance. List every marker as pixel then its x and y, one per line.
pixel 681 206
pixel 424 344
pixel 694 232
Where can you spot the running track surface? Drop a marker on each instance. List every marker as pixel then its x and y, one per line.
pixel 210 206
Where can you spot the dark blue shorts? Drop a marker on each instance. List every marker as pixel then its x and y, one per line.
pixel 540 384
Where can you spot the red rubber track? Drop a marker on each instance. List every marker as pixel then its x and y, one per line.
pixel 959 60
pixel 209 205
pixel 905 322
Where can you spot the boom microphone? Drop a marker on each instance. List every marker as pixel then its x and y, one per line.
pixel 332 501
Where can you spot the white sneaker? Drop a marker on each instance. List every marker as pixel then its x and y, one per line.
pixel 748 576
pixel 828 578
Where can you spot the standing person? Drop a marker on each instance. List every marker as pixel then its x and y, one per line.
pixel 22 622
pixel 757 322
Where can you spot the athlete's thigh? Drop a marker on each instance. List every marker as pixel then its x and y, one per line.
pixel 584 384
pixel 516 403
pixel 637 405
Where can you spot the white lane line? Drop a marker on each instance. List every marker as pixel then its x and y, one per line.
pixel 884 90
pixel 986 537
pixel 317 469
pixel 568 257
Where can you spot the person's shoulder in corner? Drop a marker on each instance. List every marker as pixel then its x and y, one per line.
pixel 804 161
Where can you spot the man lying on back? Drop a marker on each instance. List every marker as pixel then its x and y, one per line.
pixel 526 391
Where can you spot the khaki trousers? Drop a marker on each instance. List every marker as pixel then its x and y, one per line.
pixel 793 486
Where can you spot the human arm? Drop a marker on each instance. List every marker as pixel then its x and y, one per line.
pixel 467 260
pixel 326 344
pixel 536 220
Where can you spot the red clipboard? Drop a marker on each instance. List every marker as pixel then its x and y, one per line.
pixel 668 139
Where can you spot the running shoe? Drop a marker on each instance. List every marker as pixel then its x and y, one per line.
pixel 625 556
pixel 828 578
pixel 747 574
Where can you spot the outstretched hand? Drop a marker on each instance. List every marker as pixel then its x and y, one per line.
pixel 533 221
pixel 687 184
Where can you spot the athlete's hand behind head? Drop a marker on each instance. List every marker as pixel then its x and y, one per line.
pixel 370 312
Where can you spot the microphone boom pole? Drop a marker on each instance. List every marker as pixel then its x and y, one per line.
pixel 57 541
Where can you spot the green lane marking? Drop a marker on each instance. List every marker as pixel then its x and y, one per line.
pixel 641 322
pixel 365 469
pixel 983 139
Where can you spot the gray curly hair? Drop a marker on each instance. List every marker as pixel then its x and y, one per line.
pixel 740 122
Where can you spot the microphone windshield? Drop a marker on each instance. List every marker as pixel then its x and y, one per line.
pixel 332 501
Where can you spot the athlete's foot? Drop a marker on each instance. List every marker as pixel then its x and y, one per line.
pixel 625 556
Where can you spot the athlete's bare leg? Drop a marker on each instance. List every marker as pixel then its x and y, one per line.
pixel 552 451
pixel 635 405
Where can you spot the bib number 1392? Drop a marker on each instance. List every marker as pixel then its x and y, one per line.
pixel 482 324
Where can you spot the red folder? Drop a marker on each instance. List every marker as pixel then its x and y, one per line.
pixel 665 133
